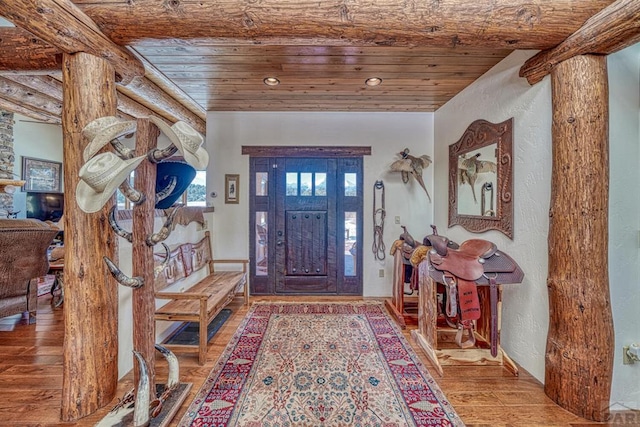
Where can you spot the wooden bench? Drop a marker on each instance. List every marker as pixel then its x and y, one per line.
pixel 202 301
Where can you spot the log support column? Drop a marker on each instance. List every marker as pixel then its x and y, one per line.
pixel 144 332
pixel 580 342
pixel 90 353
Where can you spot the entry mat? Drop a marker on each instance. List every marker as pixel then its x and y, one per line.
pixel 189 333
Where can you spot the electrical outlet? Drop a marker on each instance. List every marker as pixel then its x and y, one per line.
pixel 626 360
pixel 397 219
pixel 381 272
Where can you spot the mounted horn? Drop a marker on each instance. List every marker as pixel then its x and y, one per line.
pixel 134 196
pixel 166 192
pixel 123 151
pixel 174 366
pixel 127 235
pixel 172 381
pixel 123 279
pixel 157 155
pixel 141 410
pixel 164 232
pixel 159 268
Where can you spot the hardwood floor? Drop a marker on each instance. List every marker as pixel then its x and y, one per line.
pixel 31 379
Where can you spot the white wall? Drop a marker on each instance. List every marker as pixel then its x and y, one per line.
pixel 386 133
pixel 499 95
pixel 624 217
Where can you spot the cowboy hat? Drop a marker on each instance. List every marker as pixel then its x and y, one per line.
pixel 166 172
pixel 102 130
pixel 100 177
pixel 187 140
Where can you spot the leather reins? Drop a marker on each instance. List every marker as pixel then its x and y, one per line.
pixel 378 221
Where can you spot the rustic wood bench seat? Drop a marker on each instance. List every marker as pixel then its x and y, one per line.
pixel 202 301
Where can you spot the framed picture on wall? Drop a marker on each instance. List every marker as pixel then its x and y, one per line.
pixel 41 175
pixel 231 190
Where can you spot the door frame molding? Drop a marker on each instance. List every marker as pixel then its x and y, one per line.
pixel 306 151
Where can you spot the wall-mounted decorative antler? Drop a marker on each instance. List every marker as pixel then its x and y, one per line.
pixel 127 235
pixel 164 232
pixel 167 258
pixel 172 381
pixel 123 279
pixel 157 155
pixel 141 410
pixel 134 196
pixel 166 192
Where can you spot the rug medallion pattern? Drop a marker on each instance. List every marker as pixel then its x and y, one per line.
pixel 319 365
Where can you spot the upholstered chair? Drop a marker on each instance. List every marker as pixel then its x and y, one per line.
pixel 23 258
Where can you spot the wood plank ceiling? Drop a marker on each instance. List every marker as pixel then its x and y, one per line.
pixel 217 54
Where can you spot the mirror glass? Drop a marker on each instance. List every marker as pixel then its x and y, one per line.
pixel 480 178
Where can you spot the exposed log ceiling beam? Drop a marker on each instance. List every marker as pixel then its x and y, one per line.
pixel 158 103
pixel 63 25
pixel 22 95
pixel 487 23
pixel 608 31
pixel 22 51
pixel 9 105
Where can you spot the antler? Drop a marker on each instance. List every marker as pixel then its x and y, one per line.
pixel 134 196
pixel 141 410
pixel 127 235
pixel 157 155
pixel 123 279
pixel 159 268
pixel 164 232
pixel 167 190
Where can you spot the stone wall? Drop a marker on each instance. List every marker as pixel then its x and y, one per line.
pixel 6 155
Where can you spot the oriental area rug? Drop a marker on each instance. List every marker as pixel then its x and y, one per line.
pixel 320 365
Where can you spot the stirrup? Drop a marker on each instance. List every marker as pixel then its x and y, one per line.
pixel 471 340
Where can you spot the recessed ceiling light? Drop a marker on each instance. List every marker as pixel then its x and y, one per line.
pixel 373 81
pixel 271 81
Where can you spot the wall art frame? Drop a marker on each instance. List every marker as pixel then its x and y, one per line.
pixel 40 175
pixel 232 188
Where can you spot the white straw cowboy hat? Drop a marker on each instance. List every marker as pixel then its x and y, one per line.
pixel 187 140
pixel 100 177
pixel 101 131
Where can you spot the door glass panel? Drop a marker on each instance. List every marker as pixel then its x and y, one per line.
pixel 261 243
pixel 262 183
pixel 350 243
pixel 292 183
pixel 350 184
pixel 306 184
pixel 321 184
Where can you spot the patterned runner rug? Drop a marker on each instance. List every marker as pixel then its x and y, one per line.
pixel 325 364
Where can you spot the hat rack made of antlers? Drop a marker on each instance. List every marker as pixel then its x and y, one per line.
pixel 103 173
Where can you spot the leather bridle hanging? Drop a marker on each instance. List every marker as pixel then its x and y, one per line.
pixel 378 221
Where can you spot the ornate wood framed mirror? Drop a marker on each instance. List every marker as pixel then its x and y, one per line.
pixel 481 178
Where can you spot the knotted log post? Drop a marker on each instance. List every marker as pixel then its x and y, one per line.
pixel 144 331
pixel 580 342
pixel 90 351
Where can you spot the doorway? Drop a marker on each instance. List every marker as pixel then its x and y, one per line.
pixel 306 225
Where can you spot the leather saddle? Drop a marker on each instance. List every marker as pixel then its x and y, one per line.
pixel 475 262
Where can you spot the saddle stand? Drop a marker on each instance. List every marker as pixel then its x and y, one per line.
pixel 471 277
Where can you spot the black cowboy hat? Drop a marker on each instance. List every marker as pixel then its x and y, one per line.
pixel 167 171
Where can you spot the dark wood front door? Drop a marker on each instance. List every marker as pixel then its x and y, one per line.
pixel 306 216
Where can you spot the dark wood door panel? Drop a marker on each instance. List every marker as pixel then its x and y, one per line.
pixel 306 243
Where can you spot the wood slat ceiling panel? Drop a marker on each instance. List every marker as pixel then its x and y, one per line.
pixel 228 77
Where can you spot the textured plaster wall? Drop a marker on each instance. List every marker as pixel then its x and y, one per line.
pixel 499 95
pixel 624 217
pixel 386 133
